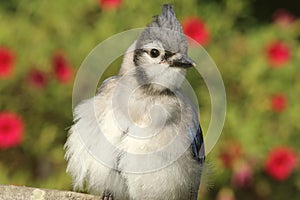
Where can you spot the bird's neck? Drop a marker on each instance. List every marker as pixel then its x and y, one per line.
pixel 156 90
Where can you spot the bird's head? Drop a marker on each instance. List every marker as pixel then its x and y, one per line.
pixel 160 54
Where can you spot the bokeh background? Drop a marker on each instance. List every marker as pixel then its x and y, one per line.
pixel 255 44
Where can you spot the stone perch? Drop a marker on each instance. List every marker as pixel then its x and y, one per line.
pixel 11 192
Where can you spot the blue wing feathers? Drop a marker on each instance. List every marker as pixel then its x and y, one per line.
pixel 197 144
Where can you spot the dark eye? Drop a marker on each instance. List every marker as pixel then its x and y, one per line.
pixel 154 53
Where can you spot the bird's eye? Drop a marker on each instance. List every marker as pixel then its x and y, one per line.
pixel 154 53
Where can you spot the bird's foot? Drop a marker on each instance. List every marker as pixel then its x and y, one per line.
pixel 107 196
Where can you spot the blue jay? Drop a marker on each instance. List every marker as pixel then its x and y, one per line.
pixel 143 113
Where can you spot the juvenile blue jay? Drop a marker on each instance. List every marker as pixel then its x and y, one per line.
pixel 139 138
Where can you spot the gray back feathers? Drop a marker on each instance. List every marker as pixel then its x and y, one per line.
pixel 166 29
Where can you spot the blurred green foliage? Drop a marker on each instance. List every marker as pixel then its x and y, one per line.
pixel 35 30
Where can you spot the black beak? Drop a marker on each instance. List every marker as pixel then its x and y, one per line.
pixel 184 62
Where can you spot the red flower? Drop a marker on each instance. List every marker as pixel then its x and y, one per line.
pixel 278 53
pixel 37 78
pixel 11 130
pixel 7 60
pixel 62 69
pixel 110 4
pixel 278 103
pixel 283 17
pixel 196 29
pixel 242 175
pixel 280 163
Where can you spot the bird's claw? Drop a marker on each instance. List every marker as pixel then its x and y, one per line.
pixel 107 196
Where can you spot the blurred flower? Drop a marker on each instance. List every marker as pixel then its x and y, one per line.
pixel 109 4
pixel 278 53
pixel 11 129
pixel 225 194
pixel 280 163
pixel 7 60
pixel 37 78
pixel 242 174
pixel 278 102
pixel 283 17
pixel 62 69
pixel 230 152
pixel 196 29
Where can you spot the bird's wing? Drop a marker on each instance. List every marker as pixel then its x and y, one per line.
pixel 197 144
pixel 106 82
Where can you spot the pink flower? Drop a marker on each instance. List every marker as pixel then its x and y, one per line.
pixel 62 69
pixel 278 103
pixel 242 174
pixel 11 129
pixel 283 17
pixel 7 60
pixel 280 163
pixel 37 78
pixel 196 29
pixel 278 54
pixel 109 4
